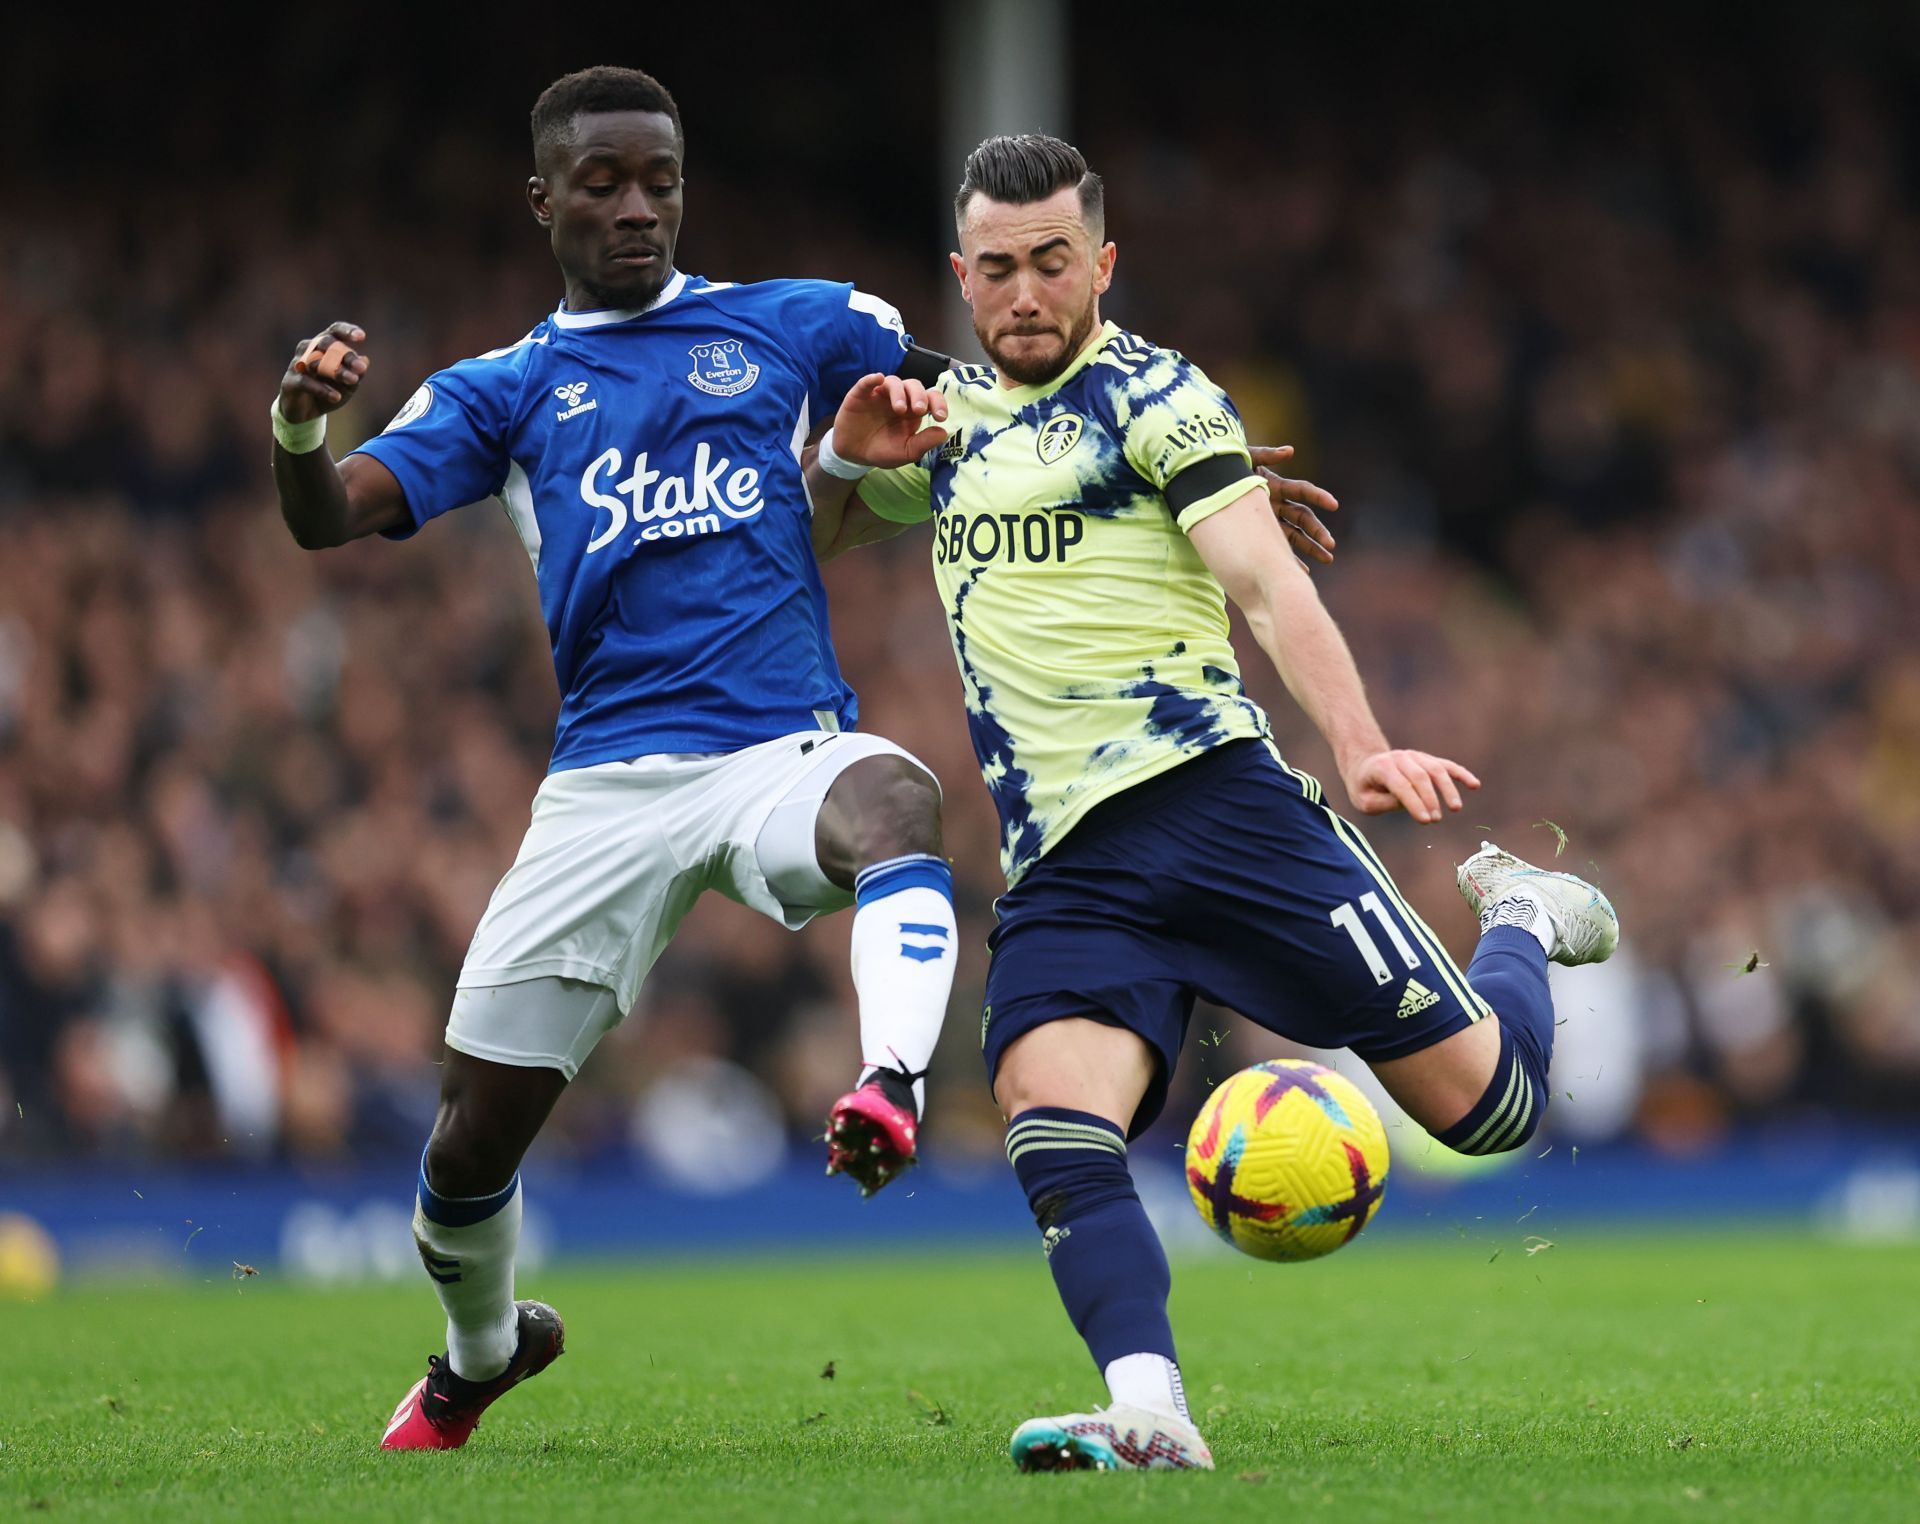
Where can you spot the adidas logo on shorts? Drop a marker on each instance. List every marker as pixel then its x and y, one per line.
pixel 1415 998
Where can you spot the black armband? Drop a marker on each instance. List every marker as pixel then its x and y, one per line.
pixel 1203 479
pixel 923 365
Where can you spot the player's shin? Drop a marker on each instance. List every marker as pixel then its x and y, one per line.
pixel 1106 1259
pixel 903 961
pixel 1509 972
pixel 467 1245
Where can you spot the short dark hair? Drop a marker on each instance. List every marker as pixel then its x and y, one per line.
pixel 602 88
pixel 1031 167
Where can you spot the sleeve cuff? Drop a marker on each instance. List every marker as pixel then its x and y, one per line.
pixel 895 496
pixel 402 470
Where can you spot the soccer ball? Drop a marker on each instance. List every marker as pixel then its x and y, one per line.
pixel 1287 1160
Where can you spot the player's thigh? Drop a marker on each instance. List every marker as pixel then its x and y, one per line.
pixel 1081 996
pixel 1080 1064
pixel 774 862
pixel 596 892
pixel 1293 921
pixel 1438 1085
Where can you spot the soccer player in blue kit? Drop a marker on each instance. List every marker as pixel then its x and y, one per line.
pixel 645 440
pixel 1093 507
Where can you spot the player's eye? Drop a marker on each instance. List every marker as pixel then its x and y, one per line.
pixel 599 190
pixel 666 188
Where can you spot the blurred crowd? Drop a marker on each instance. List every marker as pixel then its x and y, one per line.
pixel 1623 406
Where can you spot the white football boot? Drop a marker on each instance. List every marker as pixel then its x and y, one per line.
pixel 1585 928
pixel 1110 1439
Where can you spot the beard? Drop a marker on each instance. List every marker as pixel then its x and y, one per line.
pixel 1031 367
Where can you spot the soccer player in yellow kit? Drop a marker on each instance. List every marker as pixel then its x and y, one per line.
pixel 1093 506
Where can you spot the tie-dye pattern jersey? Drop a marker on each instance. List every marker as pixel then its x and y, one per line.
pixel 1092 639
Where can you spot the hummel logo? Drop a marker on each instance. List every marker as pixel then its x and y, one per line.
pixel 1415 998
pixel 571 394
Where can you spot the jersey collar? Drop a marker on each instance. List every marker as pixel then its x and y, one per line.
pixel 1020 395
pixel 601 317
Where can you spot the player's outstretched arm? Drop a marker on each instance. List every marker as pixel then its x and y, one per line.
pixel 879 425
pixel 1294 500
pixel 325 503
pixel 1243 546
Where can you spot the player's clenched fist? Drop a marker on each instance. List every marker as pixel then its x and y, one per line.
pixel 325 372
pixel 879 422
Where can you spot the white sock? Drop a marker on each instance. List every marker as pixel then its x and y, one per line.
pixel 904 947
pixel 1526 909
pixel 1148 1381
pixel 471 1262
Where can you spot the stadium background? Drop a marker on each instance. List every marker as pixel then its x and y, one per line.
pixel 1606 332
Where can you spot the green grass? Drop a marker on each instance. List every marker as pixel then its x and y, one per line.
pixel 1740 1376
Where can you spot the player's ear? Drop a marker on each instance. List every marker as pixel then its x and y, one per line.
pixel 1103 268
pixel 959 264
pixel 539 199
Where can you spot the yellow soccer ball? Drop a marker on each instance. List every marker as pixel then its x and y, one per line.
pixel 1287 1160
pixel 29 1262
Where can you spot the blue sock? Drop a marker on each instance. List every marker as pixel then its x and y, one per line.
pixel 1105 1257
pixel 1509 972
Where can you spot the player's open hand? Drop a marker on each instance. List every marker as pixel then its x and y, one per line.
pixel 325 372
pixel 1293 501
pixel 879 423
pixel 1414 781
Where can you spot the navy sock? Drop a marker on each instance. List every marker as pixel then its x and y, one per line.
pixel 1106 1259
pixel 1509 972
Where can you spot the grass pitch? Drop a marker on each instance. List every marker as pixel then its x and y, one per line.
pixel 1750 1377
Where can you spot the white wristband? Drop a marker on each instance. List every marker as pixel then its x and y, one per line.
pixel 298 438
pixel 836 464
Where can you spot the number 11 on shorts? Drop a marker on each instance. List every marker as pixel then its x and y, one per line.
pixel 1348 920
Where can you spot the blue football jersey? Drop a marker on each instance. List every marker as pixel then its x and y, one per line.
pixel 650 461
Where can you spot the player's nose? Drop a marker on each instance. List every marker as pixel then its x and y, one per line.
pixel 635 209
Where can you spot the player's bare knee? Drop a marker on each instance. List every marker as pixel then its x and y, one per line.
pixel 465 1157
pixel 482 1130
pixel 893 809
pixel 1028 1076
pixel 1015 1092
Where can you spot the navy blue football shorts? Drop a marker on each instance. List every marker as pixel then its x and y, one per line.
pixel 1225 878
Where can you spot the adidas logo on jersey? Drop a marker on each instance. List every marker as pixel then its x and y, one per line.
pixel 1415 998
pixel 669 507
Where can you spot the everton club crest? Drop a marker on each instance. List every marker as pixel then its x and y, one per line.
pixel 722 368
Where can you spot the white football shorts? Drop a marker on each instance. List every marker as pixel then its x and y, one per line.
pixel 615 856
